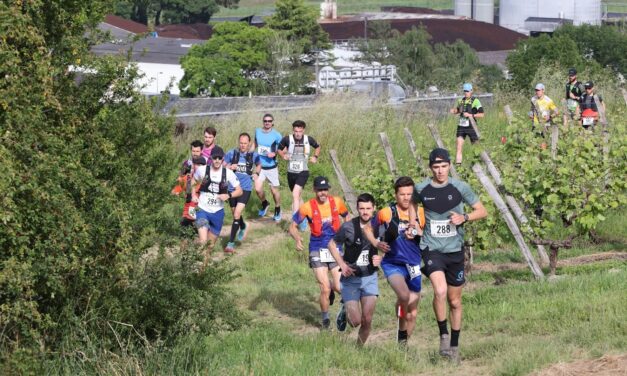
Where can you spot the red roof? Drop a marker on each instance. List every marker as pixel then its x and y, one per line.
pixel 124 24
pixel 480 36
pixel 184 31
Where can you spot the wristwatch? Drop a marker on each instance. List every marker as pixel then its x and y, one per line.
pixel 466 219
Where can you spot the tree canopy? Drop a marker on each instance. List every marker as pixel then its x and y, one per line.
pixel 299 23
pixel 171 11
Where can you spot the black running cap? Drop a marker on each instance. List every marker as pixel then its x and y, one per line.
pixel 572 72
pixel 589 85
pixel 439 155
pixel 217 152
pixel 199 160
pixel 321 182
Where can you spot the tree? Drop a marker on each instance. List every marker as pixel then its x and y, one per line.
pixel 171 11
pixel 533 52
pixel 228 63
pixel 299 23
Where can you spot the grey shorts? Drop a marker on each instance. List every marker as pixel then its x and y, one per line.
pixel 314 261
pixel 354 288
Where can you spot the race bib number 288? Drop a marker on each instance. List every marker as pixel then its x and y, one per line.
pixel 443 229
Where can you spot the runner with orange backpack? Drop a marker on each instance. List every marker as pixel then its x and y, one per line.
pixel 325 214
pixel 184 185
pixel 589 104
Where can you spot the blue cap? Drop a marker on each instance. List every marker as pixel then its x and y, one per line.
pixel 467 87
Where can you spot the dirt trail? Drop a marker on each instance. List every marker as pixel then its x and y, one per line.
pixel 608 365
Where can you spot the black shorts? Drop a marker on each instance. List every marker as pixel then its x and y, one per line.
pixel 241 199
pixel 452 264
pixel 467 131
pixel 299 178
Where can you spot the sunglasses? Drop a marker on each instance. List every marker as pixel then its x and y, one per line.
pixel 267 121
pixel 539 89
pixel 217 158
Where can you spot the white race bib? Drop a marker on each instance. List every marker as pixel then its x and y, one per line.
pixel 191 211
pixel 211 200
pixel 325 255
pixel 414 271
pixel 263 150
pixel 464 122
pixel 362 260
pixel 296 166
pixel 588 121
pixel 443 229
pixel 241 168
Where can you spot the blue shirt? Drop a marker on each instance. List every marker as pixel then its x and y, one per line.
pixel 267 143
pixel 245 180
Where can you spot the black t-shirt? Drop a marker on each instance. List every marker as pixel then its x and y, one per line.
pixel 354 246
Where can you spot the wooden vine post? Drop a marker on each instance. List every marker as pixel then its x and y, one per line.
pixel 388 154
pixel 349 194
pixel 414 151
pixel 509 220
pixel 512 203
pixel 508 114
pixel 624 95
pixel 473 123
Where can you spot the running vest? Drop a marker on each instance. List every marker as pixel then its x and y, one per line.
pixel 589 102
pixel 353 251
pixel 249 162
pixel 392 232
pixel 575 88
pixel 465 105
pixel 292 145
pixel 316 220
pixel 298 161
pixel 206 184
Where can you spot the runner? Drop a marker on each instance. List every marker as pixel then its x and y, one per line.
pixel 543 110
pixel 246 165
pixel 214 181
pixel 358 266
pixel 210 142
pixel 467 107
pixel 296 149
pixel 589 106
pixel 443 200
pixel 574 91
pixel 266 142
pixel 323 213
pixel 401 262
pixel 184 184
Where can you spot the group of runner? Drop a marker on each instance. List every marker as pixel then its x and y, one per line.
pixel 211 177
pixel 420 233
pixel 582 104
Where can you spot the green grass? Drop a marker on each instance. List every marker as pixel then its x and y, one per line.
pixel 248 7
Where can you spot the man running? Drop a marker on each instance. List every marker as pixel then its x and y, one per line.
pixel 443 200
pixel 323 213
pixel 209 142
pixel 296 149
pixel 401 262
pixel 184 184
pixel 358 266
pixel 543 109
pixel 214 181
pixel 266 141
pixel 467 107
pixel 590 106
pixel 574 91
pixel 246 165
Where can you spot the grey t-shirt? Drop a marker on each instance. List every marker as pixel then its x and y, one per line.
pixel 439 201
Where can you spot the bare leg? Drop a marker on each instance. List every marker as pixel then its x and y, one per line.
pixel 398 284
pixel 325 287
pixel 460 146
pixel 276 194
pixel 367 311
pixel 412 311
pixel 259 189
pixel 296 198
pixel 438 281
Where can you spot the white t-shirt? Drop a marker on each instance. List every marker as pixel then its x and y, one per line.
pixel 209 201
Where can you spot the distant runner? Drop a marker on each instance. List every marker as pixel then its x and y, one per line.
pixel 590 106
pixel 467 107
pixel 401 262
pixel 296 149
pixel 324 213
pixel 574 91
pixel 266 141
pixel 210 142
pixel 360 287
pixel 246 165
pixel 214 181
pixel 543 110
pixel 184 185
pixel 443 199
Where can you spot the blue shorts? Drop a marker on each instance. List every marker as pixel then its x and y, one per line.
pixel 354 288
pixel 414 283
pixel 213 221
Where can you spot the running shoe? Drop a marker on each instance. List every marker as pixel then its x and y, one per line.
pixel 340 320
pixel 241 234
pixel 326 324
pixel 454 355
pixel 331 297
pixel 445 345
pixel 277 217
pixel 263 210
pixel 230 248
pixel 303 225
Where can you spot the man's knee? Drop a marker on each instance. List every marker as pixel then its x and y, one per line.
pixel 455 303
pixel 439 292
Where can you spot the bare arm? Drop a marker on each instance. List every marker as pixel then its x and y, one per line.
pixel 315 156
pixel 367 231
pixel 293 230
pixel 346 270
pixel 477 213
